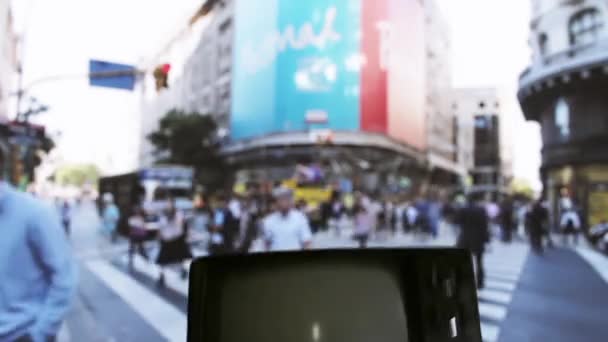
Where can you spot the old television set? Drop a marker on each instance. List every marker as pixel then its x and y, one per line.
pixel 380 295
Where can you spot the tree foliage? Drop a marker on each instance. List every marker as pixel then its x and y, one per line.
pixel 522 187
pixel 46 145
pixel 77 174
pixel 191 139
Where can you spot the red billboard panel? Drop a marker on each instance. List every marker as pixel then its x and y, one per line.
pixel 374 43
pixel 393 85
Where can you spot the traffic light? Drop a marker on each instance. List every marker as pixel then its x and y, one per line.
pixel 161 75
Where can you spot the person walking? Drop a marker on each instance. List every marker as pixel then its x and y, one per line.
pixel 423 220
pixel 286 228
pixel 38 275
pixel 474 233
pixel 381 221
pixel 363 224
pixel 337 210
pixel 110 216
pixel 248 226
pixel 66 216
pixel 507 220
pixel 224 228
pixel 536 223
pixel 391 217
pixel 174 248
pixel 410 218
pixel 434 216
pixel 570 224
pixel 493 212
pixel 137 234
pixel 199 222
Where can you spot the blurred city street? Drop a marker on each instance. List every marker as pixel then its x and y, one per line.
pixel 153 133
pixel 526 295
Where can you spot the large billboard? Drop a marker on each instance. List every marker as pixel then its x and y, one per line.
pixel 344 65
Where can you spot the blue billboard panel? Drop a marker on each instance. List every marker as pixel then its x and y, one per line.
pixel 301 57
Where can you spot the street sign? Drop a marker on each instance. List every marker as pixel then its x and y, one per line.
pixel 316 117
pixel 111 75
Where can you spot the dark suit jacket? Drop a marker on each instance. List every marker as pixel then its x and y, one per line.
pixel 474 230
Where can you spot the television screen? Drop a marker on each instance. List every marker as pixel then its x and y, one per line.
pixel 340 295
pixel 303 304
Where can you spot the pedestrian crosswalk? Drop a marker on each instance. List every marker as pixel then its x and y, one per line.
pixel 168 320
pixel 503 265
pixel 161 310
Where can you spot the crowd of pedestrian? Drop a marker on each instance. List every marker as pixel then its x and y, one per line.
pixel 238 223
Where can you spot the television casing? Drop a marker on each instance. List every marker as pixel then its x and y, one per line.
pixel 434 286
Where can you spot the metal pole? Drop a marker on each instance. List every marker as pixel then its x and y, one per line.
pixel 20 90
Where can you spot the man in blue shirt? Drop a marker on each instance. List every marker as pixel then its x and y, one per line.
pixel 37 271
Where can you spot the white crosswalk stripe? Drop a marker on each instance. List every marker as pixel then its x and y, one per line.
pixel 490 332
pixel 503 265
pixel 495 296
pixel 492 311
pixel 501 285
pixel 168 320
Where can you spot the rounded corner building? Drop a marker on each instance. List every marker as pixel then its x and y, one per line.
pixel 565 90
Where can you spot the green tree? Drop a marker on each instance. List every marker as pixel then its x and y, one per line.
pixel 45 146
pixel 77 174
pixel 522 187
pixel 191 139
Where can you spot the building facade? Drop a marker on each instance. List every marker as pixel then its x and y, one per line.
pixel 441 129
pixel 564 90
pixel 484 139
pixel 200 77
pixel 318 81
pixel 7 57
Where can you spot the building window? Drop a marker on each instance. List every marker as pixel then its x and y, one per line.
pixel 543 41
pixel 225 26
pixel 562 117
pixel 585 27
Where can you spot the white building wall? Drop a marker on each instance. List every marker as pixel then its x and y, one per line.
pixel 440 118
pixel 200 57
pixel 551 19
pixel 7 57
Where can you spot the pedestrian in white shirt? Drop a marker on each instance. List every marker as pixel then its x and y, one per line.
pixel 411 214
pixel 286 228
pixel 570 224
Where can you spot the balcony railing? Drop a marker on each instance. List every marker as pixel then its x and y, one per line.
pixel 567 60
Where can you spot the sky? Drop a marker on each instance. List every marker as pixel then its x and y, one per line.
pixel 490 48
pixel 489 42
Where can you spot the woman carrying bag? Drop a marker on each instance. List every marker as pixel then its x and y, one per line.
pixel 173 246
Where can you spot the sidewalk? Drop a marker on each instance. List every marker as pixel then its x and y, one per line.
pixel 560 298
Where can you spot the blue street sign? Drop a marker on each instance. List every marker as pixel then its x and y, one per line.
pixel 119 81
